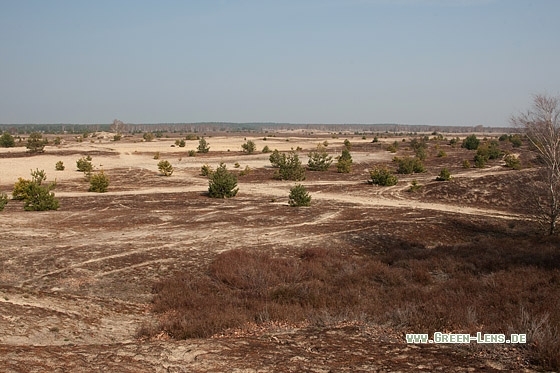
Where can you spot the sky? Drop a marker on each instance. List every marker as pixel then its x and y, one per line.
pixel 438 62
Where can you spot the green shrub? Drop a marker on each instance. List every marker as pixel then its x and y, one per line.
pixel 59 166
pixel 37 197
pixel 466 164
pixel 156 156
pixel 382 176
pixel 203 146
pixel 3 200
pixel 471 142
pixel 36 143
pixel 512 162
pixel 191 136
pixel 347 144
pixel 344 162
pixel 504 137
pixel 98 182
pixel 453 142
pixel 206 170
pixel 7 140
pixel 299 196
pixel 236 165
pixel 290 168
pixel 442 154
pixel 180 143
pixel 191 153
pixel 246 171
pixel 117 137
pixel 491 150
pixel 319 160
pixel 414 187
pixel 266 149
pixel 444 175
pixel 84 164
pixel 516 141
pixel 480 160
pixel 249 147
pixel 375 139
pixel 407 165
pixel 148 136
pixel 165 168
pixel 222 184
pixel 276 158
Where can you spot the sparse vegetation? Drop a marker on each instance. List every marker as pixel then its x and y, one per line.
pixel 299 196
pixel 3 200
pixel 444 175
pixel 148 136
pixel 36 143
pixel 344 162
pixel 222 184
pixel 203 146
pixel 84 165
pixel 36 195
pixel 319 159
pixel 414 186
pixel 206 170
pixel 98 182
pixel 266 149
pixel 289 167
pixel 407 165
pixel 59 166
pixel 471 142
pixel 7 140
pixel 466 163
pixel 249 147
pixel 165 168
pixel 382 176
pixel 512 161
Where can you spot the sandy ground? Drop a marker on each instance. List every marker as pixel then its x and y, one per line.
pixel 75 284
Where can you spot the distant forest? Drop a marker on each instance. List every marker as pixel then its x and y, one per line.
pixel 245 127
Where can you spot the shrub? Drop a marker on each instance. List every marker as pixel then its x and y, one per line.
pixel 203 146
pixel 516 141
pixel 382 176
pixel 453 142
pixel 3 200
pixel 222 184
pixel 37 197
pixel 480 160
pixel 414 186
pixel 490 150
pixel 276 159
pixel 504 137
pixel 319 160
pixel 393 147
pixel 442 154
pixel 36 143
pixel 99 182
pixel 206 170
pixel 347 144
pixel 117 137
pixel 165 168
pixel 180 143
pixel 466 164
pixel 191 136
pixel 59 166
pixel 407 165
pixel 191 153
pixel 236 165
pixel 299 196
pixel 266 149
pixel 444 175
pixel 148 136
pixel 470 142
pixel 7 140
pixel 249 147
pixel 375 139
pixel 156 156
pixel 344 163
pixel 84 164
pixel 246 171
pixel 325 143
pixel 290 168
pixel 512 161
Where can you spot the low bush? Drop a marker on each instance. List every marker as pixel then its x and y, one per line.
pixel 299 196
pixel 84 165
pixel 444 175
pixel 99 182
pixel 512 161
pixel 222 183
pixel 249 147
pixel 319 159
pixel 206 170
pixel 59 166
pixel 3 200
pixel 382 176
pixel 165 168
pixel 344 162
pixel 407 165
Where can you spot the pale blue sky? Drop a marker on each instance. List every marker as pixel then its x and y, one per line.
pixel 445 62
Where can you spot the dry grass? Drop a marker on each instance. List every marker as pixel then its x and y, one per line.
pixel 496 286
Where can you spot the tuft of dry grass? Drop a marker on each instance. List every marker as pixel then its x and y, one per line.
pixel 492 286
